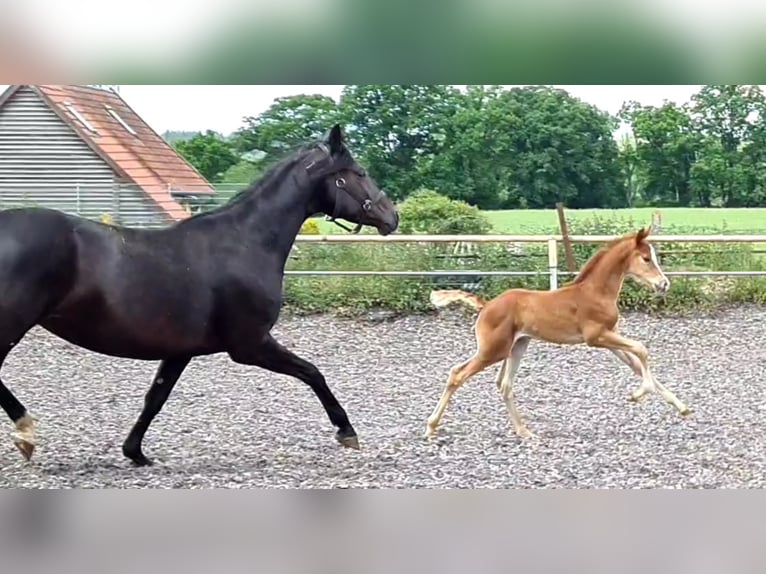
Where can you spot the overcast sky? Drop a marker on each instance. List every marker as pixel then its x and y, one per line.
pixel 221 108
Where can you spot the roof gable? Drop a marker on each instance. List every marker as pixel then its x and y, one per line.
pixel 119 135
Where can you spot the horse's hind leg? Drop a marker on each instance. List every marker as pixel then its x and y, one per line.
pixel 165 379
pixel 458 375
pixel 506 386
pixel 501 374
pixel 269 354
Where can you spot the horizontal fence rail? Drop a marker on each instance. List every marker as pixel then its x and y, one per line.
pixel 126 204
pixel 552 241
pixel 333 238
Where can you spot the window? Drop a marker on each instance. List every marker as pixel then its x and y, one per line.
pixel 123 123
pixel 79 117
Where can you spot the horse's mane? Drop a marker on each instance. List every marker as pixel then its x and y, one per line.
pixel 273 173
pixel 590 265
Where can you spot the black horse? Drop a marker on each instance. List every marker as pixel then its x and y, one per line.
pixel 211 283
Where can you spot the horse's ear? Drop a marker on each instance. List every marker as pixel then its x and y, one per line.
pixel 642 234
pixel 335 139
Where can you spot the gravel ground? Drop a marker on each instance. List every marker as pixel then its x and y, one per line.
pixel 232 426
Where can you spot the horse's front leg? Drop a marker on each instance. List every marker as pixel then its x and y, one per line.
pixel 634 353
pixel 165 379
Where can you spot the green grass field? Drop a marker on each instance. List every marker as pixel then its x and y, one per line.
pixel 737 221
pixel 691 220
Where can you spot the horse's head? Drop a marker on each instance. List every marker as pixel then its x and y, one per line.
pixel 347 192
pixel 643 265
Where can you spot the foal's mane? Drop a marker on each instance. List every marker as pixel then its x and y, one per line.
pixel 592 263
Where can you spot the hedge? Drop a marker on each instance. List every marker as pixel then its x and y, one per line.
pixel 356 294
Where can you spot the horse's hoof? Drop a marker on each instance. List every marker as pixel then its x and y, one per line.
pixel 141 460
pixel 686 411
pixel 25 447
pixel 136 457
pixel 349 441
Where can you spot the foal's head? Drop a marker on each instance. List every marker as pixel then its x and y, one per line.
pixel 642 263
pixel 345 191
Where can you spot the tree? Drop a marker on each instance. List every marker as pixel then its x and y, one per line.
pixel 288 123
pixel 471 165
pixel 243 173
pixel 630 166
pixel 666 145
pixel 728 118
pixel 396 130
pixel 175 136
pixel 530 147
pixel 209 153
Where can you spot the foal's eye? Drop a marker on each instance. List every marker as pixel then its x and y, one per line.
pixel 647 259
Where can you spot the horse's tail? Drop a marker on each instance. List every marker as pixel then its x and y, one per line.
pixel 444 297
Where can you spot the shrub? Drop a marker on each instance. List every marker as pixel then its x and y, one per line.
pixel 309 227
pixel 428 212
pixel 351 294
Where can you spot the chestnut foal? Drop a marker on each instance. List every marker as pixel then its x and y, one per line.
pixel 581 311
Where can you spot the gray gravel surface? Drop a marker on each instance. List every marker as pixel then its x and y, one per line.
pixel 233 426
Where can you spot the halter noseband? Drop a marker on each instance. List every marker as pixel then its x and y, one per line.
pixel 340 184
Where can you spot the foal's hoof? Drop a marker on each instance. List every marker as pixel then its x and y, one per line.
pixel 25 447
pixel 430 432
pixel 348 440
pixel 525 433
pixel 686 411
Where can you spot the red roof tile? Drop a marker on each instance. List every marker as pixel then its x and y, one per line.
pixel 142 157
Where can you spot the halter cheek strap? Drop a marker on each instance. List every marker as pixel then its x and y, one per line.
pixel 340 184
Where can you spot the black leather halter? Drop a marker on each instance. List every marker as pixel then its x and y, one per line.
pixel 340 185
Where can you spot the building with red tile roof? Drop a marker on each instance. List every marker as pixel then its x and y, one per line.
pixel 82 149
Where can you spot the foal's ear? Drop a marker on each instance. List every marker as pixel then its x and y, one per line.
pixel 642 234
pixel 335 139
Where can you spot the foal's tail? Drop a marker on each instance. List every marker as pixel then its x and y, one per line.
pixel 444 297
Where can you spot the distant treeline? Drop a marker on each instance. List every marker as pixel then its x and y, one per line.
pixel 526 147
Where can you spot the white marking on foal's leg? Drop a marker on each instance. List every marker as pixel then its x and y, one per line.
pixel 668 395
pixel 633 362
pixel 501 374
pixel 506 387
pixel 647 382
pixel 24 436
